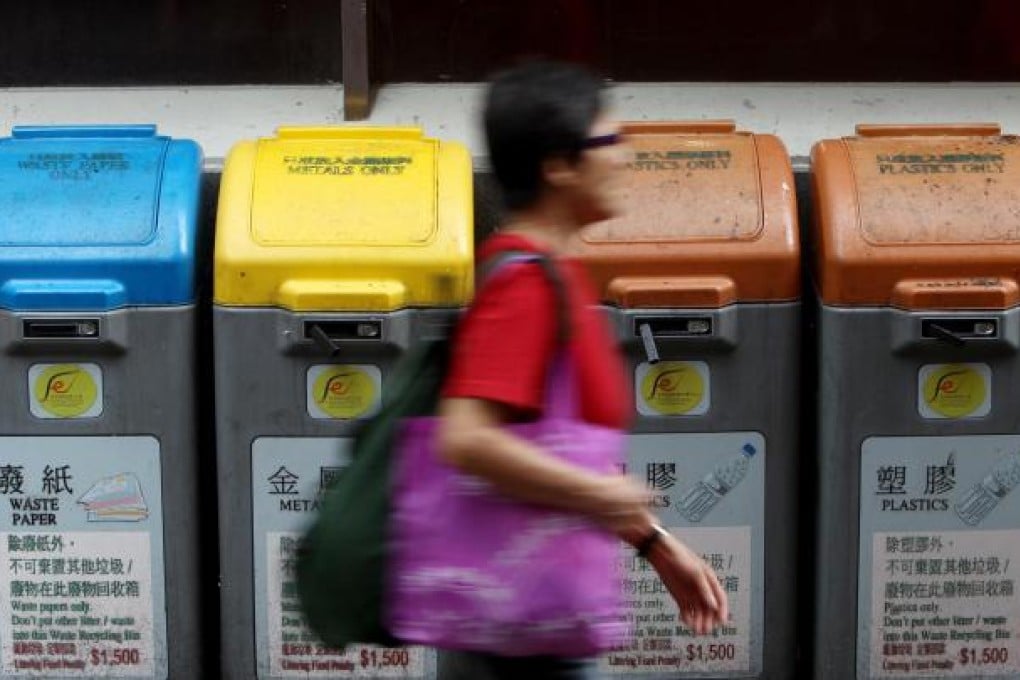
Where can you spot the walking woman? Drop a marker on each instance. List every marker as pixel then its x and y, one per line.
pixel 556 155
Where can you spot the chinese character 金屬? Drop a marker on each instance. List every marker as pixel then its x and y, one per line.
pixel 283 481
pixel 328 475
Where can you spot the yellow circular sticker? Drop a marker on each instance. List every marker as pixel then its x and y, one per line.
pixel 344 392
pixel 955 391
pixel 65 390
pixel 673 388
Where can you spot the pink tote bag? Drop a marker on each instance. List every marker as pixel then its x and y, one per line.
pixel 472 569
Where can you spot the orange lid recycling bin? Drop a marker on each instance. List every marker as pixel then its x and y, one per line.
pixel 917 253
pixel 700 276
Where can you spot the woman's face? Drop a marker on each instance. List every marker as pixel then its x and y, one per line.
pixel 598 195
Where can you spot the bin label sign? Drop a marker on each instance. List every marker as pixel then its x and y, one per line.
pixel 81 558
pixel 289 475
pixel 672 388
pixel 681 159
pixel 343 392
pixel 939 557
pixel 709 489
pixel 65 390
pixel 954 391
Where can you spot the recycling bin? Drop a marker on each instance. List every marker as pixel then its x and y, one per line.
pixel 701 280
pixel 336 248
pixel 98 464
pixel 917 239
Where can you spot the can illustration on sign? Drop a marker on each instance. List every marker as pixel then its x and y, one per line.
pixel 343 392
pixel 952 391
pixel 65 390
pixel 672 388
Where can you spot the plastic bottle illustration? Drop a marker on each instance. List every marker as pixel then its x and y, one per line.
pixel 975 505
pixel 703 496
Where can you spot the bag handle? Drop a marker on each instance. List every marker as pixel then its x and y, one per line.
pixel 560 389
pixel 492 265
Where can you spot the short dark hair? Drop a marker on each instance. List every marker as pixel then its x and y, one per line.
pixel 534 112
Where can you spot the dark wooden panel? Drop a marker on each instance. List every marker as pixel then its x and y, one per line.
pixel 131 42
pixel 662 40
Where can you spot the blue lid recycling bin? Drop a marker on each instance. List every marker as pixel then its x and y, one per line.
pixel 98 462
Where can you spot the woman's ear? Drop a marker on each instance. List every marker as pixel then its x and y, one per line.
pixel 559 172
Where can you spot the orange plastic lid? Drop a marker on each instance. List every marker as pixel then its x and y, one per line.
pixel 709 219
pixel 918 217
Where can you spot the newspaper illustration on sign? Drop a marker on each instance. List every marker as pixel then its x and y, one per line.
pixel 117 498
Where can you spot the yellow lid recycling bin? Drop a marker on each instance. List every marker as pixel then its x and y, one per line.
pixel 336 248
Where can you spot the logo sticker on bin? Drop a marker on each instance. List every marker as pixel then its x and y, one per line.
pixel 343 392
pixel 672 388
pixel 954 391
pixel 65 390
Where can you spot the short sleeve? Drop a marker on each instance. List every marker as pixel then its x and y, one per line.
pixel 504 343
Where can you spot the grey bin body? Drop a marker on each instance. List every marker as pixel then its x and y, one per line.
pixel 262 361
pixel 146 428
pixel 869 361
pixel 752 358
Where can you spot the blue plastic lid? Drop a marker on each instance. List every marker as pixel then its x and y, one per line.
pixel 97 217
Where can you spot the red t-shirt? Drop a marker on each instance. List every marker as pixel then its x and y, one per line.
pixel 507 339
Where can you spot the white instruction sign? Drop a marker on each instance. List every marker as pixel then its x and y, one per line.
pixel 289 476
pixel 709 490
pixel 939 557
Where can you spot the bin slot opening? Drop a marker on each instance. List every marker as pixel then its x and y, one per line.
pixel 329 334
pixel 87 329
pixel 957 331
pixel 674 327
pixel 356 329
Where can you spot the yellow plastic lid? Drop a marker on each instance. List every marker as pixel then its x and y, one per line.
pixel 347 218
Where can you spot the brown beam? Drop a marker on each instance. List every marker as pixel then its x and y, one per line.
pixel 354 46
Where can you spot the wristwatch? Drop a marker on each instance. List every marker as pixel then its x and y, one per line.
pixel 654 536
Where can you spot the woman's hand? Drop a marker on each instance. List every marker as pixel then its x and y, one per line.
pixel 692 583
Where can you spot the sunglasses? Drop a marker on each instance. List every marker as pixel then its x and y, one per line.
pixel 602 140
